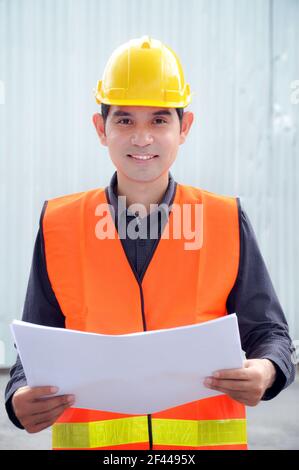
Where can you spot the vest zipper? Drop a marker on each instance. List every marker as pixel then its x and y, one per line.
pixel 139 281
pixel 149 417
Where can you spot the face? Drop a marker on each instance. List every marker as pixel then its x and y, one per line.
pixel 133 132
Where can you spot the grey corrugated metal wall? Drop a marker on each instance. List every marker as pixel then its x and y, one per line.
pixel 240 58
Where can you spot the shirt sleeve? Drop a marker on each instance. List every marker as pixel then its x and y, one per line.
pixel 40 307
pixel 263 327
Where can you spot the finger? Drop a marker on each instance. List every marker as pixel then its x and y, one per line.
pixel 38 392
pixel 237 385
pixel 47 404
pixel 50 415
pixel 232 374
pixel 24 398
pixel 39 427
pixel 243 398
pixel 240 397
pixel 234 394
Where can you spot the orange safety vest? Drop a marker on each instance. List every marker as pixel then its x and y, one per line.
pixel 98 292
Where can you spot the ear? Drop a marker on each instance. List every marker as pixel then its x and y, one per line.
pixel 187 121
pixel 98 122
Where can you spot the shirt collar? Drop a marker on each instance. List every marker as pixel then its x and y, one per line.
pixel 167 198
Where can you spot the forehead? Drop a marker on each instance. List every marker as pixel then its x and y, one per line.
pixel 140 111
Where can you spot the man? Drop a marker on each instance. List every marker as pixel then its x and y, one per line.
pixel 86 276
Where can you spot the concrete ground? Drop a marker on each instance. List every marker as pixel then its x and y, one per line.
pixel 271 425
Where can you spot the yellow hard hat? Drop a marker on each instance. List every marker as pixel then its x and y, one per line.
pixel 143 72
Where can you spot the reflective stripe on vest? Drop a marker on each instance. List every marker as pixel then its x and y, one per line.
pixel 169 432
pixel 179 287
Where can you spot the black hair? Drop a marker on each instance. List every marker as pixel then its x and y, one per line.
pixel 105 110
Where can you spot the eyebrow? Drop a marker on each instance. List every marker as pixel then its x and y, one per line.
pixel 156 113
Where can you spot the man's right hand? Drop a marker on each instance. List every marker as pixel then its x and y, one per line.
pixel 34 411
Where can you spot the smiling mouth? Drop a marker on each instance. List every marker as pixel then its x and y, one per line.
pixel 142 158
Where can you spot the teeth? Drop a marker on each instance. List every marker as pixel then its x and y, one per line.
pixel 142 157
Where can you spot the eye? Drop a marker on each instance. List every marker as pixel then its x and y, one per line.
pixel 160 119
pixel 124 119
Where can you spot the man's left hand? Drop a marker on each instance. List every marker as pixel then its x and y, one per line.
pixel 246 385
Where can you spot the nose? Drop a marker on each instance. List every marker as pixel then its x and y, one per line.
pixel 142 138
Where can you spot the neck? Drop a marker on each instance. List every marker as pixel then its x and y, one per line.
pixel 142 192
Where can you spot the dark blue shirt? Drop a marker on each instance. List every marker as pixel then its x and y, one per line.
pixel 262 324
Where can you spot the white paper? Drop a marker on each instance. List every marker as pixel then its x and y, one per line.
pixel 138 373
